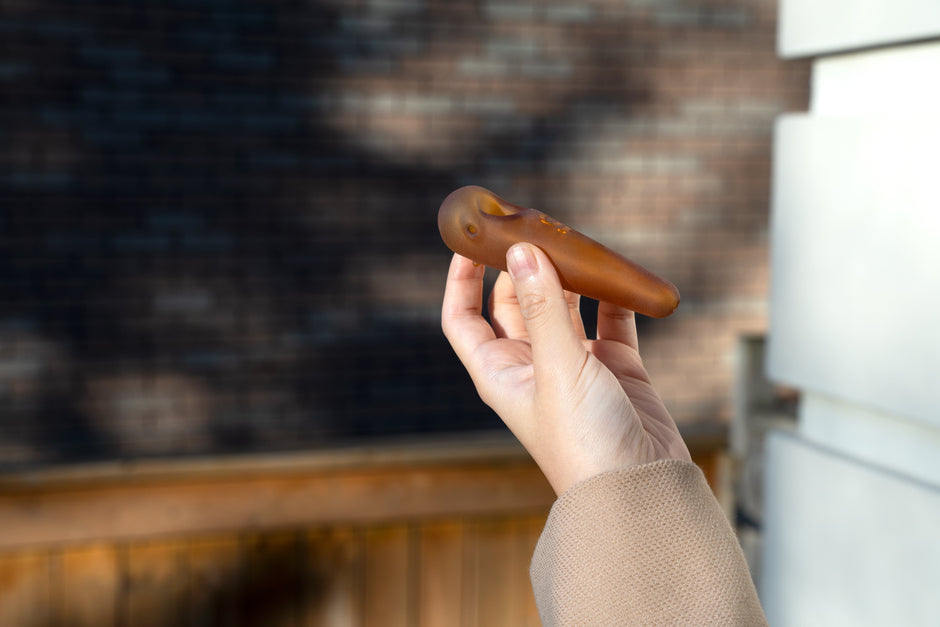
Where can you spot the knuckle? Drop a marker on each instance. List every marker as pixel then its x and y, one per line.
pixel 534 306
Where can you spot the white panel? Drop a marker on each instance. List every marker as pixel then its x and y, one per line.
pixel 890 80
pixel 846 544
pixel 855 286
pixel 813 27
pixel 891 442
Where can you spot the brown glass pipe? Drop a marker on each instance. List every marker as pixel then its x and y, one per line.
pixel 478 224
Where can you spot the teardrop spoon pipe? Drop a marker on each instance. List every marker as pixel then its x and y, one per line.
pixel 478 224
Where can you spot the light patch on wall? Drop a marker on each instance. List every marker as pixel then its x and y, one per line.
pixel 151 414
pixel 402 283
pixel 32 368
pixel 406 127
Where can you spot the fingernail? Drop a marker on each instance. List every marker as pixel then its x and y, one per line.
pixel 521 262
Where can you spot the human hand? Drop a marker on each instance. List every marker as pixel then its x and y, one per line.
pixel 580 407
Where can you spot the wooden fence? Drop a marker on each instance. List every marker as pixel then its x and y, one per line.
pixel 429 534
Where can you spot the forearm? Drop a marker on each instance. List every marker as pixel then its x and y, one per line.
pixel 642 545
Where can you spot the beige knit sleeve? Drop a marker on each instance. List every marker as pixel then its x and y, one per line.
pixel 647 545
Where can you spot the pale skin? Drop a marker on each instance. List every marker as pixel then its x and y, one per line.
pixel 579 406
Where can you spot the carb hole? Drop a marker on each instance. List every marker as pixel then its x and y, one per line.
pixel 472 229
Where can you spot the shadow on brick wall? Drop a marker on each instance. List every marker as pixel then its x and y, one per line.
pixel 218 217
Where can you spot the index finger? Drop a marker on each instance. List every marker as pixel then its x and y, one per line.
pixel 462 311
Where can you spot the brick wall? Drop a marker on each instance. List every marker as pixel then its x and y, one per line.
pixel 217 218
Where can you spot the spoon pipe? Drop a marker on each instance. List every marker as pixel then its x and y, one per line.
pixel 478 224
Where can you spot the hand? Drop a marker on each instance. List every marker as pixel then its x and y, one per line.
pixel 579 406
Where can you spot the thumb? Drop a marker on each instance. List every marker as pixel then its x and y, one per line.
pixel 555 344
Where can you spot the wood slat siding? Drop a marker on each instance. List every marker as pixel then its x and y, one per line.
pixel 441 573
pixel 87 587
pixel 441 540
pixel 25 589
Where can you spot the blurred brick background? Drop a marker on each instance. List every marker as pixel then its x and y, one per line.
pixel 217 217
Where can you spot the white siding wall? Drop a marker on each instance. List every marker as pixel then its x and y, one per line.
pixel 852 499
pixel 818 27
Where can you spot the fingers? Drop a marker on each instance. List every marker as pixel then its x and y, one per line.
pixel 504 310
pixel 461 312
pixel 507 319
pixel 617 324
pixel 574 308
pixel 544 309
